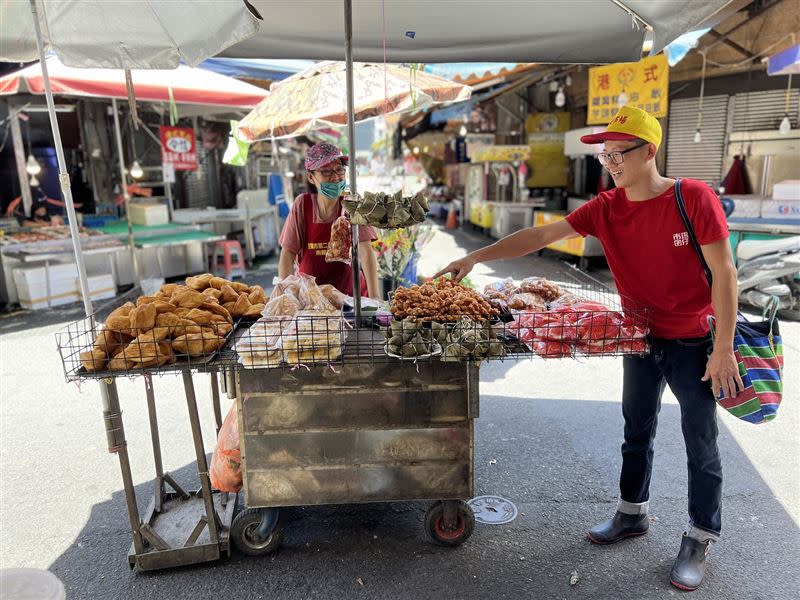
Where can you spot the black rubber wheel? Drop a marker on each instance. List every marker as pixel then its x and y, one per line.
pixel 465 524
pixel 583 263
pixel 242 529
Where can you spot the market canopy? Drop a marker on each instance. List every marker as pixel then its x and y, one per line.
pixel 186 84
pixel 317 98
pixel 421 31
pixel 125 34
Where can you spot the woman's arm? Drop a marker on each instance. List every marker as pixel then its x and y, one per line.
pixel 369 264
pixel 286 263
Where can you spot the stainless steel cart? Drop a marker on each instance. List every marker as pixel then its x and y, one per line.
pixel 366 432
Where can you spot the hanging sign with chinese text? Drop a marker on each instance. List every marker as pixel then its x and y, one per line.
pixel 645 83
pixel 178 148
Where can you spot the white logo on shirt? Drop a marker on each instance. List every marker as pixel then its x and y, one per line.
pixel 680 239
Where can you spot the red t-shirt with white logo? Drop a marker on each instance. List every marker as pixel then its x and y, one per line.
pixel 651 257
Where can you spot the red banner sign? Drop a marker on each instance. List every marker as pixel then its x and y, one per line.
pixel 178 148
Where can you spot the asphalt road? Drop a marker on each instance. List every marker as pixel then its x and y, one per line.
pixel 547 438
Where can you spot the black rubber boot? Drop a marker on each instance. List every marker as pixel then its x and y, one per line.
pixel 690 566
pixel 618 528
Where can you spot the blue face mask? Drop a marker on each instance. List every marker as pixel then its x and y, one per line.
pixel 332 189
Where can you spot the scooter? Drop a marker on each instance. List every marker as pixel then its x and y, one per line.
pixel 769 269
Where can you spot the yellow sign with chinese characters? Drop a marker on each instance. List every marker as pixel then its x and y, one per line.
pixel 500 154
pixel 645 83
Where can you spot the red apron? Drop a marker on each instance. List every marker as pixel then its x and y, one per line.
pixel 338 274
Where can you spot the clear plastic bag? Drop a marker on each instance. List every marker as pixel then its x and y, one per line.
pixel 340 242
pixel 311 297
pixel 282 306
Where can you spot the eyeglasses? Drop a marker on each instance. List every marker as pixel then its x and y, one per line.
pixel 616 158
pixel 328 173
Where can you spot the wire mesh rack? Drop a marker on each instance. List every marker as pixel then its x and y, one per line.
pixel 94 352
pixel 577 317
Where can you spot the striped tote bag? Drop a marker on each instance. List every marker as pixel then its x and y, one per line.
pixel 759 352
pixel 758 348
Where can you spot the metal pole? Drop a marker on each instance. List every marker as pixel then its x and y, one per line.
pixel 19 155
pixel 115 431
pixel 124 187
pixel 63 175
pixel 351 135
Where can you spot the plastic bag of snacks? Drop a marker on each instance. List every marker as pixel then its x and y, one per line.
pixel 340 242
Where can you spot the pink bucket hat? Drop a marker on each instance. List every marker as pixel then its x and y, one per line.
pixel 323 154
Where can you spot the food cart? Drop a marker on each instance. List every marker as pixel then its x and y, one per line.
pixel 360 419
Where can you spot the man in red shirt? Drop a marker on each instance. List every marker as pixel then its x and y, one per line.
pixel 654 265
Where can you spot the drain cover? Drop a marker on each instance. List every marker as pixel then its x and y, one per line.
pixel 493 510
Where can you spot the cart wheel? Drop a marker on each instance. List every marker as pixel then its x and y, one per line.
pixel 434 524
pixel 243 529
pixel 583 263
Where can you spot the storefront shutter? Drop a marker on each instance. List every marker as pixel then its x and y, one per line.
pixel 763 111
pixel 701 161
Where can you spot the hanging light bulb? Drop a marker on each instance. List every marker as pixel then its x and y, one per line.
pixel 622 100
pixel 785 126
pixel 463 131
pixel 32 166
pixel 561 98
pixel 34 182
pixel 416 149
pixel 697 137
pixel 136 170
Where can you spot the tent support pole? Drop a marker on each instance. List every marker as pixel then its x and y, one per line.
pixel 126 197
pixel 63 174
pixel 111 409
pixel 351 138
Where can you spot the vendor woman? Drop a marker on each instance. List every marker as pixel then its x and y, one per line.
pixel 305 236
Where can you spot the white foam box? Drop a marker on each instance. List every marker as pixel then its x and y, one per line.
pixel 148 213
pixel 745 206
pixel 101 286
pixel 32 285
pixel 780 209
pixel 788 189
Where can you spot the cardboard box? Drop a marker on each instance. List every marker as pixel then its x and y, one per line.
pixel 780 209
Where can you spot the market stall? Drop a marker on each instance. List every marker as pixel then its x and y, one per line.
pixel 37 267
pixel 330 411
pixel 164 343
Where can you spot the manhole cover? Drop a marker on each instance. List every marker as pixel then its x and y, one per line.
pixel 493 510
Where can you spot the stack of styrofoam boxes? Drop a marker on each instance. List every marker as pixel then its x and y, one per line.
pixel 41 287
pixel 785 203
pixel 745 206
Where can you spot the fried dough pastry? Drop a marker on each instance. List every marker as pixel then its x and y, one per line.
pixel 199 282
pixel 143 317
pixel 93 360
pixel 197 344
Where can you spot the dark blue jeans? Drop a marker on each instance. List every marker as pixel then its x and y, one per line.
pixel 679 364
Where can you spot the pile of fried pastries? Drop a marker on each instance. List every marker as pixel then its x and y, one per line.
pixel 178 322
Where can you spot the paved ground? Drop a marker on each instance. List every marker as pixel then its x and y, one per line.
pixel 548 438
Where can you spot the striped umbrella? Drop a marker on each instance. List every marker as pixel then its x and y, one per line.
pixel 317 97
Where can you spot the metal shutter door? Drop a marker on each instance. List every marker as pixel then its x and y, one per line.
pixel 760 111
pixel 701 161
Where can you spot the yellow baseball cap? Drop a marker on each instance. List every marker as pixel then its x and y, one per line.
pixel 630 123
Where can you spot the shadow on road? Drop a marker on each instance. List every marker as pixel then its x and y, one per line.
pixel 558 460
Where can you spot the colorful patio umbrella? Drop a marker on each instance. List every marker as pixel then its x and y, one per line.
pixel 317 97
pixel 187 85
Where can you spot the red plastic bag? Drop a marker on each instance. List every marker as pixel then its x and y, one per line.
pixel 226 462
